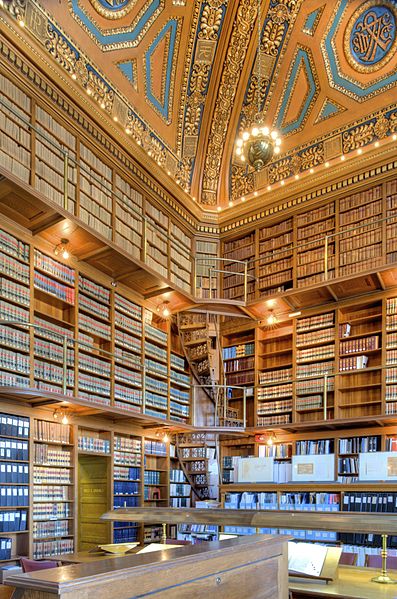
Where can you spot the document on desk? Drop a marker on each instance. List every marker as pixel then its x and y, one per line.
pixel 157 547
pixel 306 558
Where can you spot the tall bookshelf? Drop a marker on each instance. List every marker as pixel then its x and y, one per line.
pixel 315 367
pixel 242 249
pixel 238 354
pixel 53 495
pixel 54 303
pixel 110 339
pixel 344 493
pixel 207 280
pixel 128 209
pixel 15 295
pixel 276 258
pixel 156 367
pixel 15 477
pixel 128 353
pixel 275 376
pixel 360 360
pixel 127 483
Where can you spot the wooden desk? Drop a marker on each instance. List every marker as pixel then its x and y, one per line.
pixel 86 557
pixel 242 568
pixel 352 583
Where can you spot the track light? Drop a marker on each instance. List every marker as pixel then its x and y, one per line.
pixel 62 249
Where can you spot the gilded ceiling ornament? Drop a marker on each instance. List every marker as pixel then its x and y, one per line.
pixel 113 9
pixel 381 127
pixel 16 8
pixel 210 23
pixel 295 164
pixel 64 54
pixel 272 37
pixel 279 170
pixel 279 13
pixel 182 174
pixel 199 77
pixel 192 118
pixel 136 127
pixel 242 28
pixel 290 4
pixel 100 91
pixel 370 38
pixel 393 122
pixel 313 156
pixel 157 151
pixel 358 137
pixel 242 183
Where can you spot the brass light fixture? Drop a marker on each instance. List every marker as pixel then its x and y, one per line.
pixel 257 144
pixel 61 249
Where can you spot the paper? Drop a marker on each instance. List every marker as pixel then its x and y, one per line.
pixel 306 558
pixel 157 547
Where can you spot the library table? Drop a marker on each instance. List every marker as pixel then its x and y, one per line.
pixel 351 583
pixel 254 567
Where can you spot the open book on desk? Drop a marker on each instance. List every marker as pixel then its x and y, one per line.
pixel 313 561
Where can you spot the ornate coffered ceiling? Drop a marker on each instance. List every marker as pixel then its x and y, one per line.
pixel 181 77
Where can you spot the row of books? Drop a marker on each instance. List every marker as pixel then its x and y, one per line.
pixel 56 528
pixel 238 351
pixel 128 307
pixel 14 338
pixel 321 336
pixel 309 402
pixel 14 268
pixel 14 426
pixel 274 407
pixel 52 373
pixel 14 361
pixel 180 490
pixel 152 477
pixel 316 231
pixel 361 213
pixel 52 511
pixel 314 447
pixel 13 246
pixel 14 291
pixel 50 493
pixel 92 325
pixel 315 353
pixel 13 520
pixel 92 306
pixel 5 548
pixel 54 288
pixel 126 459
pixel 178 409
pixel 312 370
pixel 353 363
pixel 53 267
pixel 125 488
pixel 45 549
pixel 49 456
pixel 122 473
pixel 94 384
pixel 129 323
pixel 240 378
pixel 16 473
pixel 318 321
pixel 14 450
pixel 43 475
pixel 45 430
pixel 12 496
pixel 359 345
pixel 275 376
pixel 272 420
pixel 369 502
pixel 310 502
pixel 359 444
pixel 125 535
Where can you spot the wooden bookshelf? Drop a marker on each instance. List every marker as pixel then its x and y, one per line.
pixel 345 493
pixel 242 249
pixel 108 346
pixel 239 363
pixel 54 490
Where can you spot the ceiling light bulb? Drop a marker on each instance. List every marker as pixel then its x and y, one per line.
pixel 271 319
pixel 65 419
pixel 65 254
pixel 255 131
pixel 21 23
pixel 74 76
pixel 359 151
pixel 166 438
pixel 270 441
pixel 273 134
pixel 265 130
pixel 239 142
pixel 343 157
pixel 238 151
pixel 166 312
pixel 277 150
pixel 245 135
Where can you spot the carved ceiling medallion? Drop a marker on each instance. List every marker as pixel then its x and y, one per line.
pixel 113 9
pixel 370 38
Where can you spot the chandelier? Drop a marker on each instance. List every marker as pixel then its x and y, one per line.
pixel 257 144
